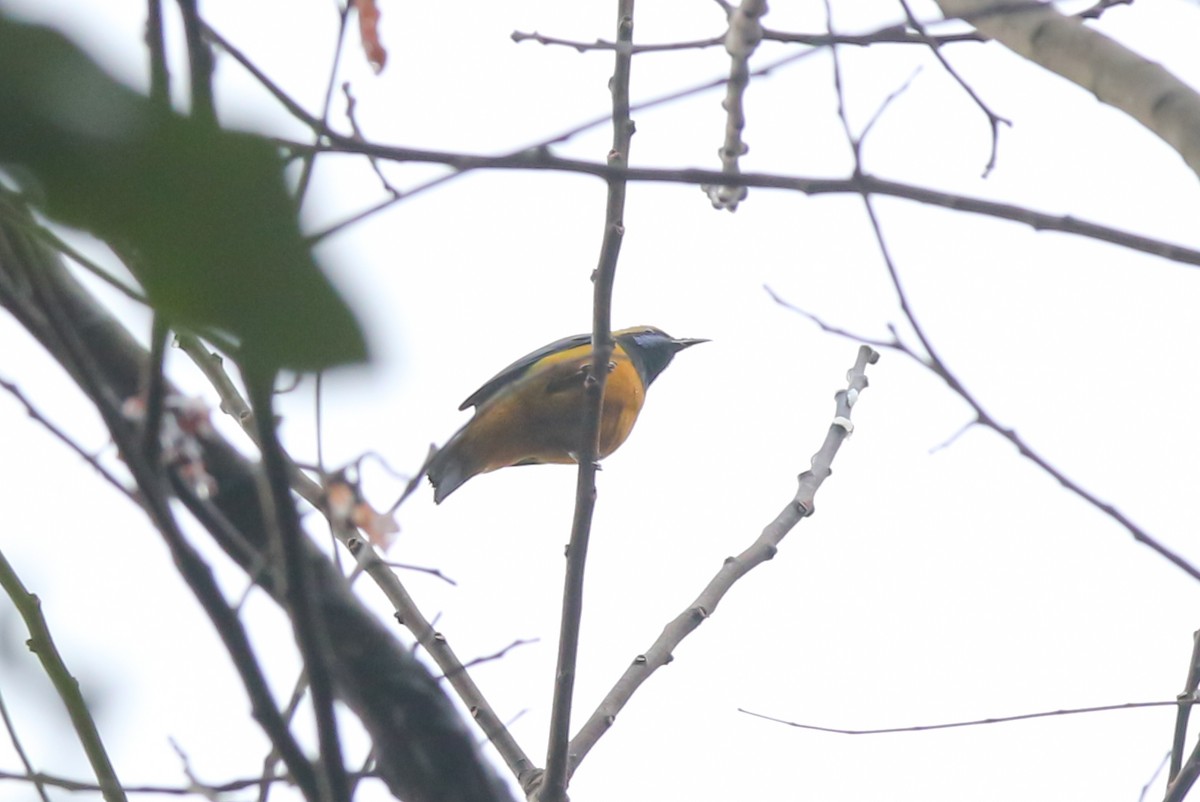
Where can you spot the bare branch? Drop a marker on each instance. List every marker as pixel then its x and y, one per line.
pixel 19 748
pixel 745 34
pixel 343 16
pixel 54 781
pixel 558 754
pixel 764 548
pixel 956 724
pixel 1116 75
pixel 994 120
pixel 933 362
pixel 310 628
pixel 200 63
pixel 160 77
pixel 1162 764
pixel 602 44
pixel 1187 697
pixel 66 439
pixel 858 184
pixel 409 615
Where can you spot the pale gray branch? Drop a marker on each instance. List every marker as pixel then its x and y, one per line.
pixel 1116 75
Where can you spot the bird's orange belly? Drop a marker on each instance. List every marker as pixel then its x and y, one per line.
pixel 551 431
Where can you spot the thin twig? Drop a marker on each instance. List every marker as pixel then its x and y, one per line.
pixel 66 439
pixel 19 748
pixel 500 653
pixel 829 328
pixel 994 120
pixel 211 791
pixel 604 44
pixel 890 34
pixel 1178 788
pixel 1114 74
pixel 315 124
pixel 956 724
pixel 306 174
pixel 563 136
pixel 933 361
pixel 13 212
pixel 273 757
pixel 351 106
pixel 1162 764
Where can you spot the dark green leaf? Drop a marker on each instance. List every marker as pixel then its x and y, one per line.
pixel 202 214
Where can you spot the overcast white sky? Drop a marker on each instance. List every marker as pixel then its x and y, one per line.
pixel 932 585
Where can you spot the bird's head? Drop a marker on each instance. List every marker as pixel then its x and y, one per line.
pixel 651 349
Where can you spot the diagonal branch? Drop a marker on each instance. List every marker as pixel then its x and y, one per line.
pixel 410 616
pixel 1141 88
pixel 764 548
pixel 41 643
pixel 994 119
pixel 932 361
pixel 1187 697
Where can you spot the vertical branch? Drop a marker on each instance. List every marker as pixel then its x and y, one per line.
pixel 160 79
pixel 200 63
pixel 155 390
pixel 1186 697
pixel 744 35
pixel 311 634
pixel 555 782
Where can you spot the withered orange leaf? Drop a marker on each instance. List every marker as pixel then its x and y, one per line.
pixel 368 28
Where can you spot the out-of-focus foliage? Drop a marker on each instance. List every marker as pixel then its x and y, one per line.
pixel 201 214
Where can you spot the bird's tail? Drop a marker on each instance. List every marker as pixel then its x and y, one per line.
pixel 447 469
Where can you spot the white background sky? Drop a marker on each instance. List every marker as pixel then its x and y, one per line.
pixel 931 585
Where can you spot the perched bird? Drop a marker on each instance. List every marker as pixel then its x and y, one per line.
pixel 532 411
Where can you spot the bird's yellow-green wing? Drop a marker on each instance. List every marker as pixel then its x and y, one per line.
pixel 519 368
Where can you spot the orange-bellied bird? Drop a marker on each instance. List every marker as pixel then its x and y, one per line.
pixel 532 411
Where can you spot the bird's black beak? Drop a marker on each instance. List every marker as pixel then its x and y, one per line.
pixel 687 342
